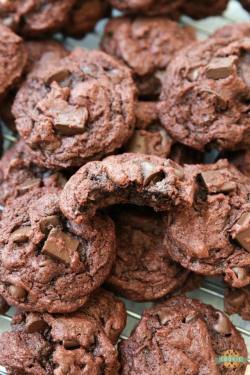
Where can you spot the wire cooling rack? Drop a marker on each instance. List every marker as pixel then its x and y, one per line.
pixel 212 290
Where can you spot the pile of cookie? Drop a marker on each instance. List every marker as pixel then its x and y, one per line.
pixel 130 175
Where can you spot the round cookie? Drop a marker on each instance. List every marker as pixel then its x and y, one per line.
pixel 47 263
pixel 35 50
pixel 35 18
pixel 56 345
pixel 181 336
pixel 102 306
pixel 205 8
pixel 149 7
pixel 18 174
pixel 143 270
pixel 146 45
pixel 75 109
pixel 205 98
pixel 13 57
pixel 84 16
pixel 211 237
pixel 245 4
pixel 149 136
pixel 238 301
pixel 143 180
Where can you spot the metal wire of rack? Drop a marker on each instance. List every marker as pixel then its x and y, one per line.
pixel 212 290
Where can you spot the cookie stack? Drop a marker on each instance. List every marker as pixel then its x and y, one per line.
pixel 107 187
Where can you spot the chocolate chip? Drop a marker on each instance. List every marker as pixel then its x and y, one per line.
pixel 240 272
pixel 17 292
pixel 29 184
pixel 35 323
pixel 151 174
pixel 163 317
pixel 3 306
pixel 49 222
pixel 58 76
pixel 60 245
pixel 71 121
pixel 242 231
pixel 223 324
pixel 22 234
pixel 70 344
pixel 220 67
pixel 217 181
pixel 191 317
pixel 193 74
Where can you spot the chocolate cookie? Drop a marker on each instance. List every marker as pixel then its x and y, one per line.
pixel 35 17
pixel 75 109
pixel 13 57
pixel 205 8
pixel 143 270
pixel 206 91
pixel 35 50
pixel 182 336
pixel 18 174
pixel 56 345
pixel 143 180
pixel 148 7
pixel 245 4
pixel 149 136
pixel 146 45
pixel 238 301
pixel 102 306
pixel 48 263
pixel 211 237
pixel 84 16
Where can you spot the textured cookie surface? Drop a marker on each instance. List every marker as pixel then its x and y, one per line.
pixel 75 109
pixel 205 98
pixel 48 263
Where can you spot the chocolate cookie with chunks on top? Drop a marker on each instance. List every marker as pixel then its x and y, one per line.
pixel 143 270
pixel 48 263
pixel 143 180
pixel 19 175
pixel 237 301
pixel 204 8
pixel 106 309
pixel 146 45
pixel 182 336
pixel 211 237
pixel 47 344
pixel 35 18
pixel 205 97
pixel 75 109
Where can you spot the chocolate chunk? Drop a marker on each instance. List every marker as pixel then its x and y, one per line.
pixel 60 245
pixel 49 222
pixel 217 181
pixel 191 317
pixel 58 76
pixel 29 184
pixel 240 272
pixel 150 173
pixel 163 317
pixel 21 234
pixel 223 324
pixel 35 323
pixel 70 344
pixel 245 68
pixel 242 232
pixel 72 121
pixel 17 292
pixel 220 67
